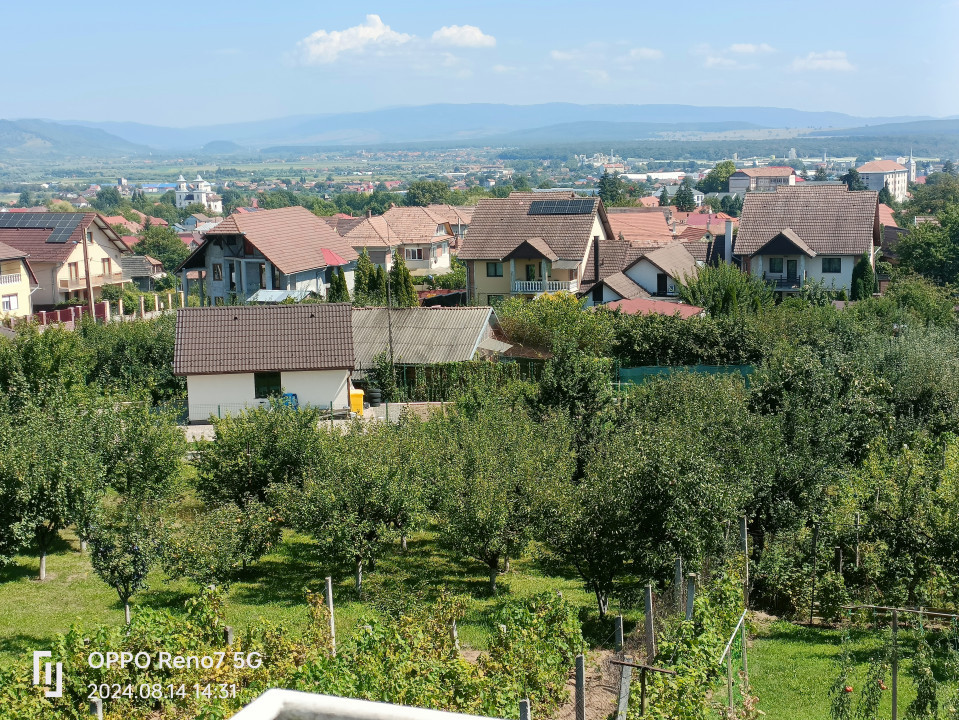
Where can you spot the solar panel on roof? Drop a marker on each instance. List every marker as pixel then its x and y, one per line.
pixel 576 206
pixel 61 225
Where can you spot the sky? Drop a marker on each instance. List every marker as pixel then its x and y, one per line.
pixel 209 62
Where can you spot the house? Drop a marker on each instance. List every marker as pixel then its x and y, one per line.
pixel 423 237
pixel 657 272
pixel 457 217
pixel 200 191
pixel 886 173
pixel 16 283
pixel 640 227
pixel 423 336
pixel 698 195
pixel 143 270
pixel 531 243
pixel 286 249
pixel 238 357
pixel 196 222
pixel 68 252
pixel 763 179
pixel 132 228
pixel 802 233
pixel 643 306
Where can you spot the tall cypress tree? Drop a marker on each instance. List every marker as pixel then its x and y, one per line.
pixel 863 279
pixel 338 291
pixel 664 198
pixel 401 282
pixel 364 279
pixel 377 288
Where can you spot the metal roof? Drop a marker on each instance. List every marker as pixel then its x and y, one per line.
pixel 421 335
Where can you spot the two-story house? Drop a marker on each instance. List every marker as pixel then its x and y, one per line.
pixel 886 173
pixel 531 243
pixel 762 179
pixel 16 283
pixel 423 238
pixel 70 253
pixel 289 249
pixel 800 233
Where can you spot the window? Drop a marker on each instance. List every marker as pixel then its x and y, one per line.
pixel 530 272
pixel 414 253
pixel 107 268
pixel 266 384
pixel 89 236
pixel 74 269
pixel 276 277
pixel 9 303
pixel 217 271
pixel 262 276
pixel 831 265
pixel 494 269
pixel 494 300
pixel 775 265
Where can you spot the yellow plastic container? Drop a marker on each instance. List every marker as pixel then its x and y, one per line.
pixel 356 401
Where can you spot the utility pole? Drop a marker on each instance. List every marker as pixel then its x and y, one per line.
pixel 86 272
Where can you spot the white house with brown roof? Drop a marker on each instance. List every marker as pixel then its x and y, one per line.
pixel 422 236
pixel 531 243
pixel 68 252
pixel 886 173
pixel 801 233
pixel 764 179
pixel 654 273
pixel 16 283
pixel 289 249
pixel 235 358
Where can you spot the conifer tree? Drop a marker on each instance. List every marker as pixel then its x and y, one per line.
pixel 364 278
pixel 401 282
pixel 664 198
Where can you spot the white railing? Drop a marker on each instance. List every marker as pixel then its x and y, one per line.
pixel 11 279
pixel 292 705
pixel 538 286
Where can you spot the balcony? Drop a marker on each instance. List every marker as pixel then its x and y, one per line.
pixel 531 287
pixel 793 284
pixel 11 279
pixel 80 283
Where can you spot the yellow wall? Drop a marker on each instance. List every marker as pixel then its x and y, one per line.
pixel 21 289
pixel 49 274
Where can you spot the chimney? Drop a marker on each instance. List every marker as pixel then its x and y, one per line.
pixel 728 243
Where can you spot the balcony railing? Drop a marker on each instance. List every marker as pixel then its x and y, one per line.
pixel 11 279
pixel 95 281
pixel 539 286
pixel 787 284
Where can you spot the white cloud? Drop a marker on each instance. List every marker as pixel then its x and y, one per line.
pixel 719 61
pixel 324 47
pixel 830 60
pixel 468 36
pixel 642 53
pixel 564 56
pixel 750 48
pixel 503 69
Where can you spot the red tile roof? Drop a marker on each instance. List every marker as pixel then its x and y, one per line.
pixel 642 306
pixel 641 229
pixel 291 238
pixel 771 171
pixel 881 166
pixel 885 216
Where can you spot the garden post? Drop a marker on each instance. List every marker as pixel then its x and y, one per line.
pixel 815 545
pixel 839 559
pixel 524 709
pixel 729 680
pixel 619 633
pixel 156 302
pixel 120 306
pixel 228 635
pixel 580 687
pixel 650 628
pixel 895 664
pixel 745 665
pixel 329 607
pixel 96 708
pixel 331 414
pixel 744 537
pixel 454 636
pixel 678 584
pixel 142 308
pixel 169 301
pixel 642 692
pixel 182 299
pixel 690 595
pixel 624 681
pixel 857 539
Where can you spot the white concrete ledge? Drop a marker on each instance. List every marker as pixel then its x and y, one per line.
pixel 280 704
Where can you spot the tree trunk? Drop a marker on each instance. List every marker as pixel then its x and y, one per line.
pixel 403 542
pixel 126 611
pixel 493 572
pixel 43 565
pixel 506 565
pixel 359 578
pixel 83 546
pixel 602 601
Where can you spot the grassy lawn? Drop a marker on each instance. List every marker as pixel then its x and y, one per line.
pixel 31 612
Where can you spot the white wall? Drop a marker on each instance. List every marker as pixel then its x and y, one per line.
pixel 228 393
pixel 813 269
pixel 644 274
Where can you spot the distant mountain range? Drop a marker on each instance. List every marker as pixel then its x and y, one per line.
pixel 467 124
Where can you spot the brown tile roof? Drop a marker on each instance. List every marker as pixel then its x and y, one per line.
pixel 623 285
pixel 454 215
pixel 371 232
pixel 500 224
pixel 642 306
pixel 674 260
pixel 829 219
pixel 650 201
pixel 266 338
pixel 539 245
pixel 641 229
pixel 881 166
pixel 291 238
pixel 7 252
pixel 343 224
pixel 708 252
pixel 767 171
pixel 33 241
pixel 615 255
pixel 414 224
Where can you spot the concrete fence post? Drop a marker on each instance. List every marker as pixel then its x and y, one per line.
pixel 182 299
pixel 690 595
pixel 524 709
pixel 580 696
pixel 120 307
pixel 329 607
pixel 143 310
pixel 650 625
pixel 619 633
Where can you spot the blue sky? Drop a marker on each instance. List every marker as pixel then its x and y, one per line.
pixel 216 61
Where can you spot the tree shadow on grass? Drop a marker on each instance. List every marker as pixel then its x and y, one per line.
pixel 17 571
pixel 23 644
pixel 281 577
pixel 163 598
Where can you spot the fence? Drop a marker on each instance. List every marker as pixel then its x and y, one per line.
pixel 639 375
pixel 104 311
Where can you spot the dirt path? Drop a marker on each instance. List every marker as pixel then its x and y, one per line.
pixel 602 688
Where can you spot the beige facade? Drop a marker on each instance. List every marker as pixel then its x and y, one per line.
pixel 15 300
pixel 61 282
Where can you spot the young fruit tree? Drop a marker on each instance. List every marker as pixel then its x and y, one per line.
pixel 124 547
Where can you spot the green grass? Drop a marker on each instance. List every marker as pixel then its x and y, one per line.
pixel 274 589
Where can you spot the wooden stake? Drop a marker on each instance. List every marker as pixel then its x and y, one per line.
pixel 580 688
